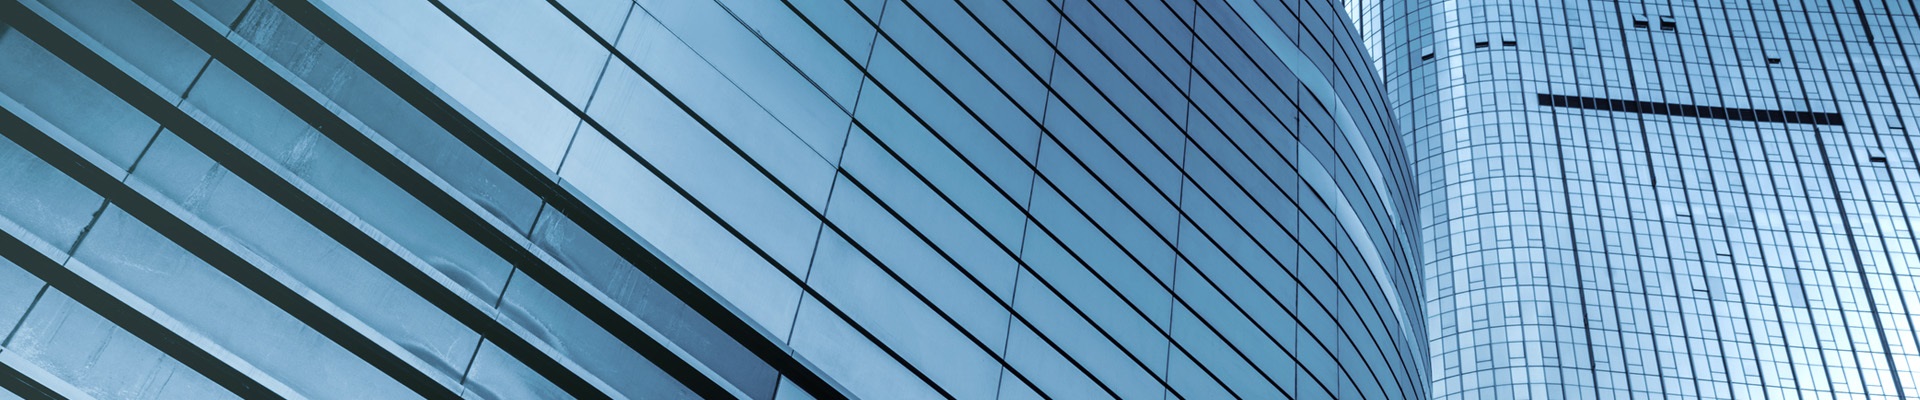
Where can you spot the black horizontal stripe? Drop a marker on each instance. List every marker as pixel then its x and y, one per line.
pixel 351 135
pixel 28 381
pixel 280 185
pixel 327 27
pixel 1689 110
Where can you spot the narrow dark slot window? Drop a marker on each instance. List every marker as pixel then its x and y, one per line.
pixel 1509 43
pixel 1877 159
pixel 1771 60
pixel 1429 56
pixel 1668 26
pixel 1640 24
pixel 1689 110
pixel 1479 45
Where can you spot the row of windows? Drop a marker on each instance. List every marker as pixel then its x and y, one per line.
pixel 1579 249
pixel 1135 152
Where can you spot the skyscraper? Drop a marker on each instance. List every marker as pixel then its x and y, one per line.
pixel 701 198
pixel 1645 199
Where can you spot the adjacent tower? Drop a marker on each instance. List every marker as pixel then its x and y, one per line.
pixel 1638 199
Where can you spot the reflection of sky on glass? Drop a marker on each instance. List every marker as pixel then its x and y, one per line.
pixel 705 198
pixel 752 126
pixel 1724 215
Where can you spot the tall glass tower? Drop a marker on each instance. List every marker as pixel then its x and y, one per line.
pixel 882 199
pixel 1679 199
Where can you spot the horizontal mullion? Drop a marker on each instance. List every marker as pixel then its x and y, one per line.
pixel 359 140
pixel 24 379
pixel 570 202
pixel 309 204
pixel 127 311
pixel 136 316
pixel 225 254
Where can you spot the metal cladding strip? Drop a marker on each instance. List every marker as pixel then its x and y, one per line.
pixel 302 199
pixel 1312 79
pixel 129 312
pixel 24 379
pixel 409 85
pixel 228 256
pixel 134 315
pixel 303 100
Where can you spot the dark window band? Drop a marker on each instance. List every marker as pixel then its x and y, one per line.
pixel 1687 110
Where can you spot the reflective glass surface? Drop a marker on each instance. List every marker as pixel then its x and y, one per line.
pixel 1661 199
pixel 762 199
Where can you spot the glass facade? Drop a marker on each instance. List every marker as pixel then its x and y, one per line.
pixel 760 199
pixel 1662 199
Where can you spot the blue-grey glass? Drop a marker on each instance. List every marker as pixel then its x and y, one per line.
pixel 126 29
pixel 651 303
pixel 497 376
pixel 64 97
pixel 364 99
pixel 303 153
pixel 224 11
pixel 842 352
pixel 147 265
pixel 706 167
pixel 463 66
pixel 542 39
pixel 306 254
pixel 790 152
pixel 61 208
pixel 888 130
pixel 920 337
pixel 572 335
pixel 736 55
pixel 1639 244
pixel 681 232
pixel 223 311
pixel 904 199
pixel 21 291
pixel 789 391
pixel 920 205
pixel 73 343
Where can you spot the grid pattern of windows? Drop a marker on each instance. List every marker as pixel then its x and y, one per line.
pixel 1626 250
pixel 882 199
